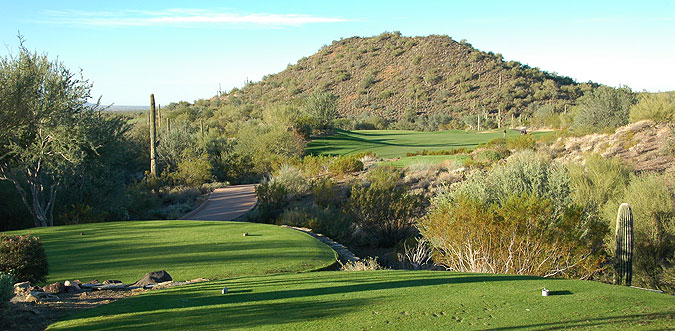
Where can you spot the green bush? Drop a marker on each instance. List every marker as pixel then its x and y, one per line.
pixel 6 288
pixel 24 258
pixel 658 107
pixel 343 165
pixel 384 210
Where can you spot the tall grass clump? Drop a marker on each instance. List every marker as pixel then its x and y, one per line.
pixel 515 218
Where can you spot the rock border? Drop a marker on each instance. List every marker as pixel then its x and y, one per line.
pixel 344 254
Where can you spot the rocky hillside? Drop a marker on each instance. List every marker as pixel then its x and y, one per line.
pixel 390 75
pixel 645 145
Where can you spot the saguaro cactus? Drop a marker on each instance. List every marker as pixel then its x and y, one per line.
pixel 153 137
pixel 623 252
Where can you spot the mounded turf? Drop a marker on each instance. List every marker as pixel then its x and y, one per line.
pixel 396 143
pixel 186 249
pixel 409 300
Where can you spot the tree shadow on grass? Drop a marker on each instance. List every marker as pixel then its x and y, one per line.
pixel 200 295
pixel 216 316
pixel 614 321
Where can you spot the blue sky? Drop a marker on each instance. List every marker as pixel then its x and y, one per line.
pixel 184 50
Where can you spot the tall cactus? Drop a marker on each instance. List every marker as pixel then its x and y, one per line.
pixel 153 137
pixel 623 252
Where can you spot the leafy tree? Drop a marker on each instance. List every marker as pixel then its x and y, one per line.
pixel 604 108
pixel 44 122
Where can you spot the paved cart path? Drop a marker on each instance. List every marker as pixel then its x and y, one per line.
pixel 225 204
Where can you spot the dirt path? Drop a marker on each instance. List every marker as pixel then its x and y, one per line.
pixel 225 204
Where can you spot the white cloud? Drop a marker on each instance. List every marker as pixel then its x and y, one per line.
pixel 179 17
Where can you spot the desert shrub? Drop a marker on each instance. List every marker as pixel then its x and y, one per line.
pixel 384 210
pixel 321 106
pixel 314 165
pixel 603 108
pixel 521 234
pixel 652 199
pixel 415 254
pixel 271 199
pixel 291 178
pixel 326 193
pixel 6 288
pixel 598 180
pixel 343 165
pixel 658 107
pixel 517 217
pixel 24 258
pixel 525 172
pixel 193 171
pixel 490 156
pixel 329 221
pixel 452 151
pixel 366 264
pixel 519 143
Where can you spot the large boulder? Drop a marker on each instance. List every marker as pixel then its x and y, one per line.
pixel 155 277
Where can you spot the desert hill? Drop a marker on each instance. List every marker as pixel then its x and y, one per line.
pixel 389 75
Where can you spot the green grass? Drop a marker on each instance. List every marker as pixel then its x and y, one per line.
pixel 186 249
pixel 396 143
pixel 408 300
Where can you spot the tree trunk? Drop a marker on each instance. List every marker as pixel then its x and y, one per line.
pixel 153 137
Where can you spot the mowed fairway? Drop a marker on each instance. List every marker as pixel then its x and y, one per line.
pixel 186 249
pixel 396 143
pixel 401 300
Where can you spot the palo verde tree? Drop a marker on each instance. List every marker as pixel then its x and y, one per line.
pixel 44 120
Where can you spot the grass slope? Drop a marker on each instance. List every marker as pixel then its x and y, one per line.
pixel 186 249
pixel 383 299
pixel 396 143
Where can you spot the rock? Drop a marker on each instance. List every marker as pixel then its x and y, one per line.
pixel 116 286
pixel 245 234
pixel 73 288
pixel 55 288
pixel 154 277
pixel 22 288
pixel 93 282
pixel 73 282
pixel 111 281
pixel 31 298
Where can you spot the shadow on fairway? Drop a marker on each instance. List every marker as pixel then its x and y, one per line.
pixel 634 320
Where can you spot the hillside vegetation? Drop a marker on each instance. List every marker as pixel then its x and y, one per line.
pixel 389 75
